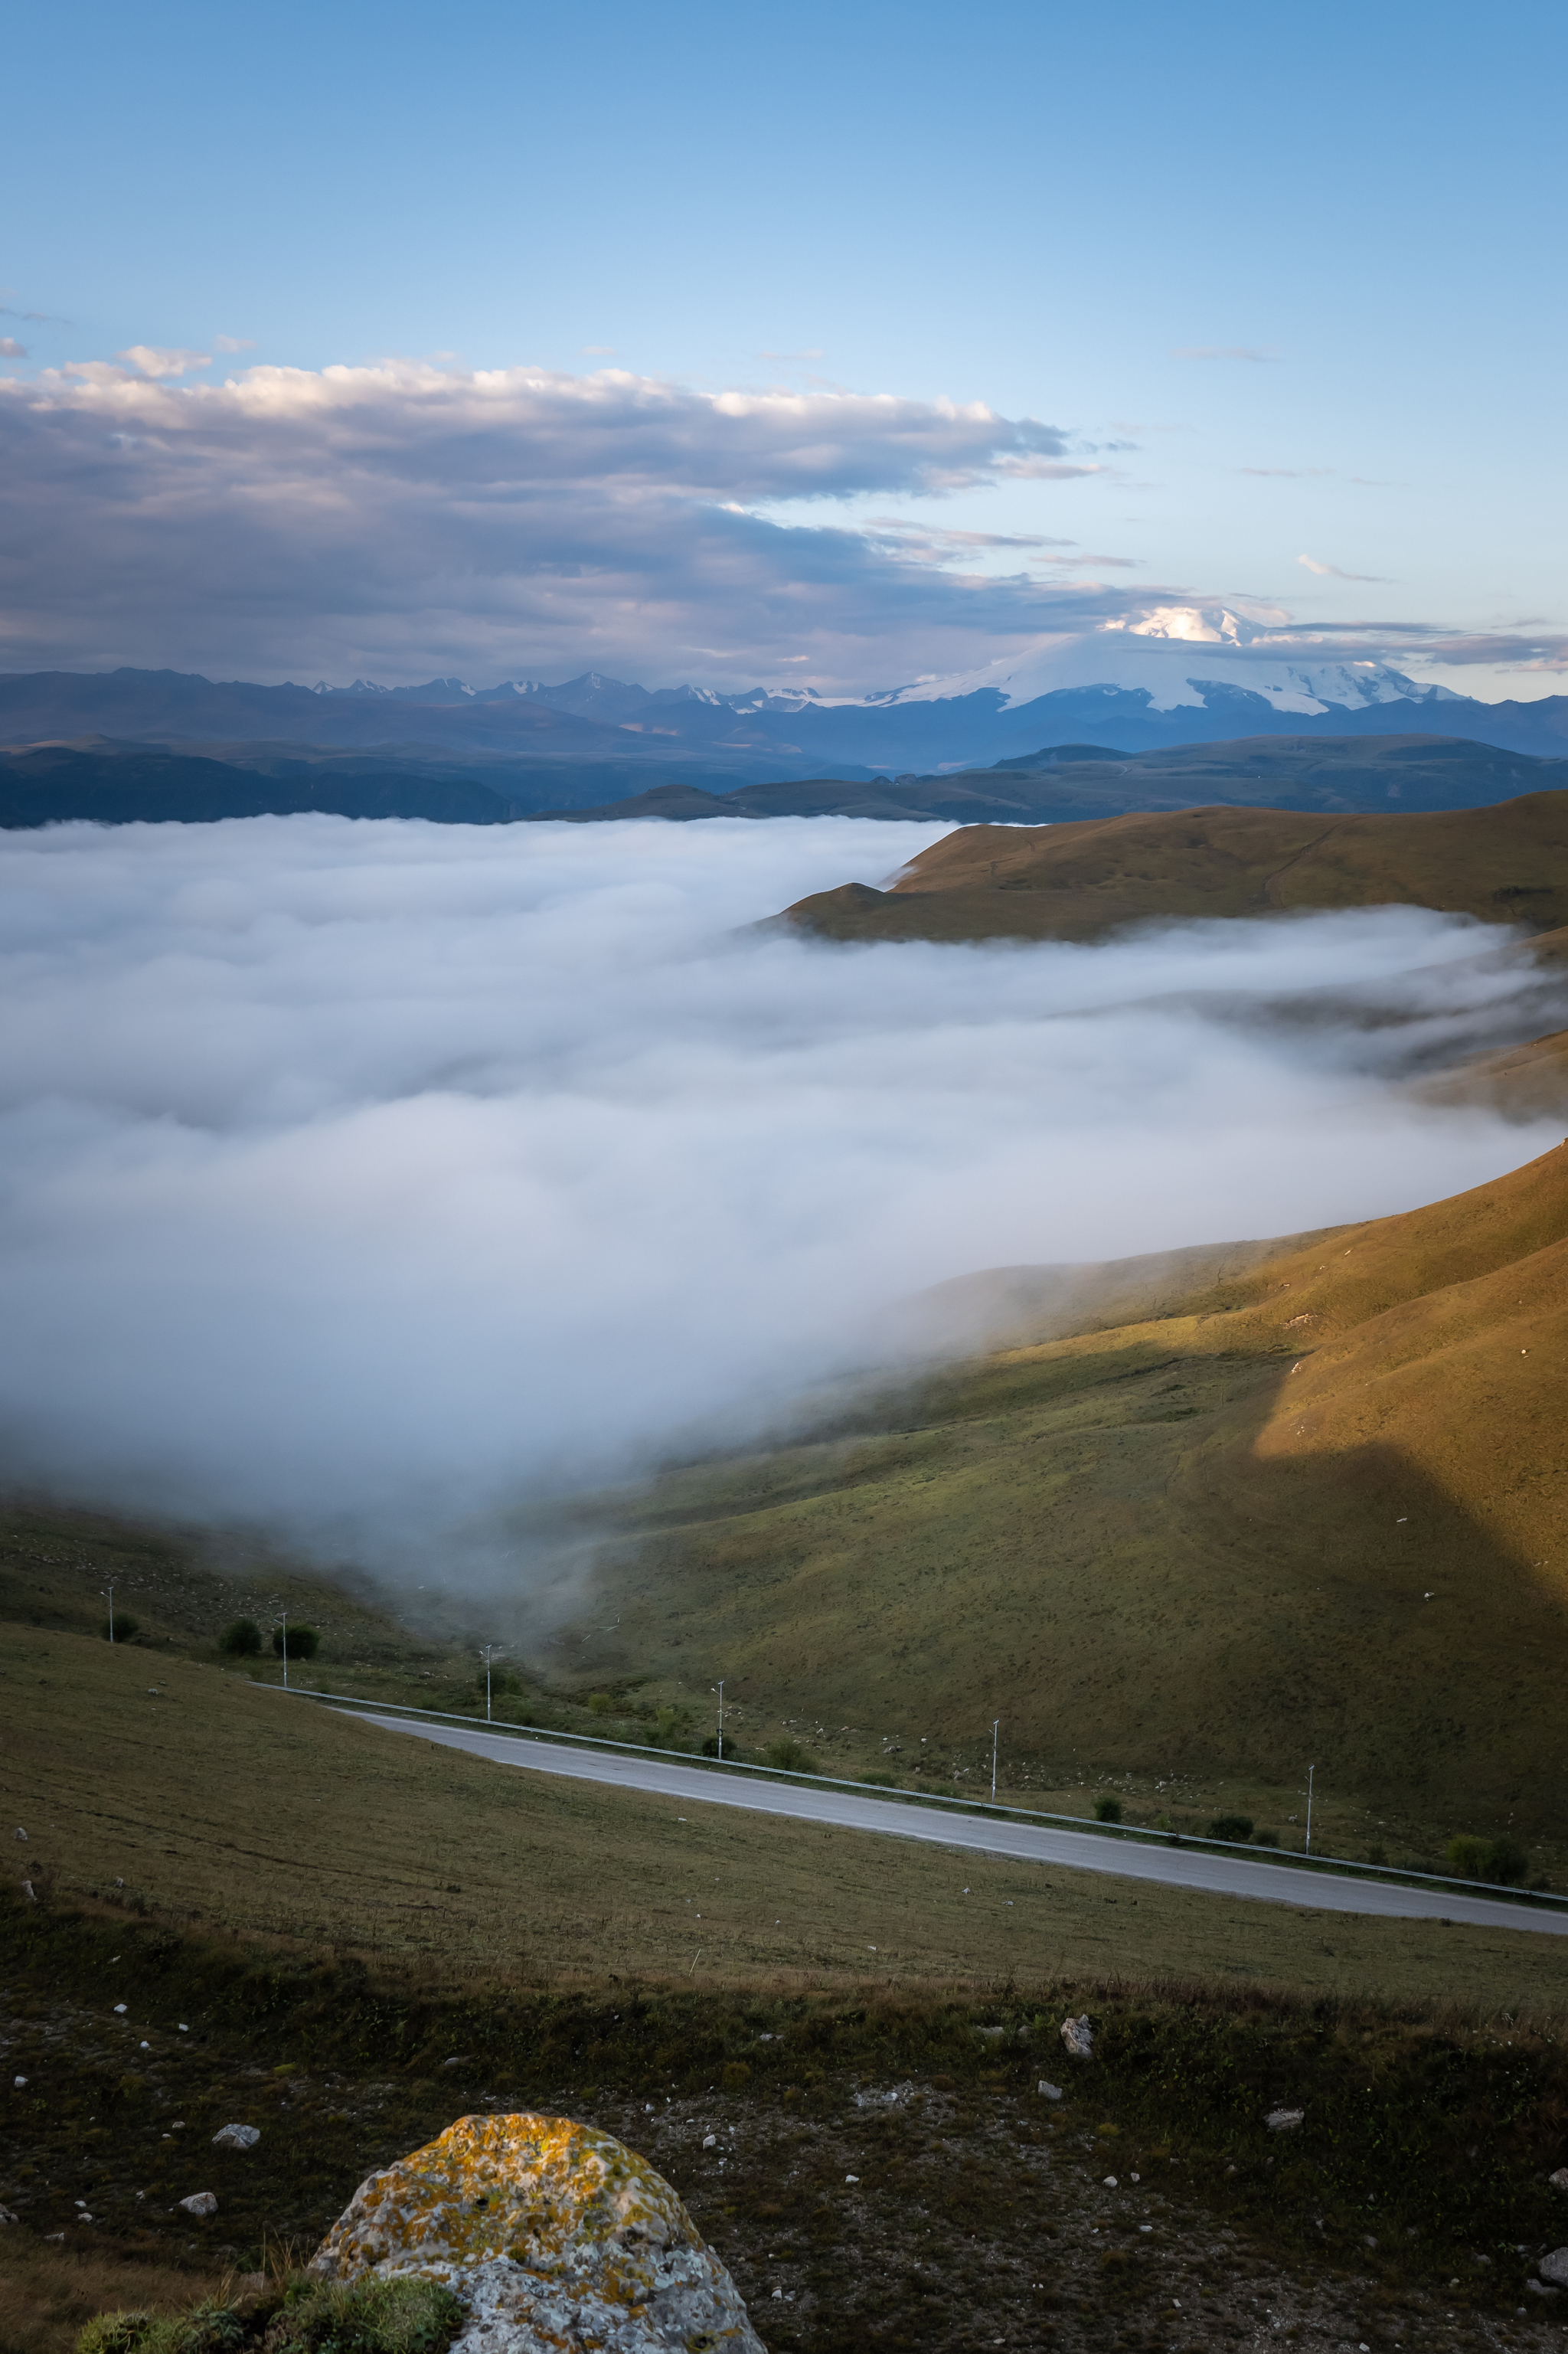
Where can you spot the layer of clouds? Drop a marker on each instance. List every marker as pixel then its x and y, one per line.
pixel 363 1179
pixel 405 520
pixel 397 519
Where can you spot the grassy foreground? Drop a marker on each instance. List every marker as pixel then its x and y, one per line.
pixel 229 1810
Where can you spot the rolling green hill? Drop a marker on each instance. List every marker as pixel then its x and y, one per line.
pixel 1312 1512
pixel 1507 864
pixel 1064 782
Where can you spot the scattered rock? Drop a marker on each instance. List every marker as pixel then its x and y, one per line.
pixel 18 2082
pixel 1079 2037
pixel 29 1892
pixel 119 2010
pixel 1558 2180
pixel 200 2203
pixel 1538 2288
pixel 6 2216
pixel 895 2097
pixel 552 2234
pixel 1554 2268
pixel 237 2138
pixel 19 1832
pixel 1051 2092
pixel 1284 2120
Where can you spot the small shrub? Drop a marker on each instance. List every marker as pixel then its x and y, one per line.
pixel 1163 1823
pixel 369 2316
pixel 671 1729
pixel 1271 1838
pixel 123 1630
pixel 789 1757
pixel 601 1704
pixel 1502 1860
pixel 735 2076
pixel 304 1642
pixel 1230 1827
pixel 502 1679
pixel 880 1781
pixel 1376 1853
pixel 1107 1810
pixel 242 1640
pixel 719 1746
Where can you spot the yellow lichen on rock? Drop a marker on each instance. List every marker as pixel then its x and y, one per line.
pixel 526 2186
pixel 553 2232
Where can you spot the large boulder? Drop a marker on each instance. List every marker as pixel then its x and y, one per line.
pixel 553 2234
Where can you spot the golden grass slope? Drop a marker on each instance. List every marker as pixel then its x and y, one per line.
pixel 1507 864
pixel 1315 1512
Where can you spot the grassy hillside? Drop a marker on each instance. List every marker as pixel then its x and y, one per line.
pixel 1311 1514
pixel 1508 863
pixel 230 1811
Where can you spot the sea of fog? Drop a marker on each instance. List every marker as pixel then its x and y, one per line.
pixel 356 1179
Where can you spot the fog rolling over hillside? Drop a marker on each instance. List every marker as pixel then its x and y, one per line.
pixel 370 1180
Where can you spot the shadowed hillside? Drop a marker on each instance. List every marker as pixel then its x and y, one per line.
pixel 1508 863
pixel 1313 1511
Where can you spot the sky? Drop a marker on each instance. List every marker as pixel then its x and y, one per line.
pixel 832 347
pixel 364 1180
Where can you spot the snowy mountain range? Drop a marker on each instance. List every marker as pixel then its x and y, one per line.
pixel 1185 676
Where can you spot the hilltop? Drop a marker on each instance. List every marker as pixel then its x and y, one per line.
pixel 1507 864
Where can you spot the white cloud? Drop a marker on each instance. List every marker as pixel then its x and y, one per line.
pixel 10 349
pixel 362 1178
pixel 233 344
pixel 1333 572
pixel 394 519
pixel 149 360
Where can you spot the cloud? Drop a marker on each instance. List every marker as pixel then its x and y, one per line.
pixel 1262 352
pixel 394 519
pixel 1501 649
pixel 1333 572
pixel 233 344
pixel 147 359
pixel 10 349
pixel 364 1179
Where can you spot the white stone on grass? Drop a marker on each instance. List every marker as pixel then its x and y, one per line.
pixel 237 2138
pixel 200 2203
pixel 1284 2120
pixel 1079 2037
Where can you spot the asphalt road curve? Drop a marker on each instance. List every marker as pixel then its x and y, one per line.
pixel 1222 1875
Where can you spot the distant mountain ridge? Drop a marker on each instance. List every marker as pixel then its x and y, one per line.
pixel 111 782
pixel 759 736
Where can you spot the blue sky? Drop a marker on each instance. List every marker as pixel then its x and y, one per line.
pixel 1285 285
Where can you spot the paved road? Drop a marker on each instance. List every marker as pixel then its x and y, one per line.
pixel 1223 1875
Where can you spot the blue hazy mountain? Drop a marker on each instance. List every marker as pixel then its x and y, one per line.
pixel 763 736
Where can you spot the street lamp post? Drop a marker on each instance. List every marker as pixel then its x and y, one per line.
pixel 995 1731
pixel 1310 1771
pixel 107 1592
pixel 719 1689
pixel 487 1652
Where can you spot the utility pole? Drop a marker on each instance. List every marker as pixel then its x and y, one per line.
pixel 489 1652
pixel 284 1624
pixel 719 1689
pixel 108 1593
pixel 995 1730
pixel 1310 1771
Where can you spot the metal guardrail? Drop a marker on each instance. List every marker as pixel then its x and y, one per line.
pixel 991 1809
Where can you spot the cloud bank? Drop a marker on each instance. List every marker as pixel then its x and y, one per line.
pixel 360 1180
pixel 401 518
pixel 404 520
